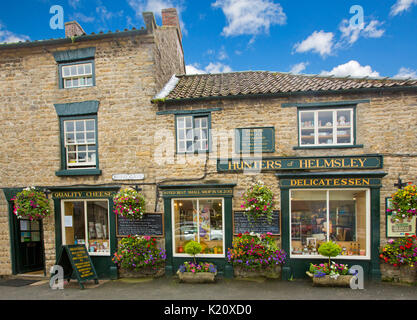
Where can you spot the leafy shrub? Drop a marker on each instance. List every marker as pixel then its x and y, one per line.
pixel 193 248
pixel 31 203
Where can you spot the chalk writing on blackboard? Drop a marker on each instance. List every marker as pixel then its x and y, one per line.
pixel 242 225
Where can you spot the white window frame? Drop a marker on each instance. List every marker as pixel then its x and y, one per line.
pixel 64 236
pixel 194 130
pixel 334 127
pixel 77 76
pixel 339 257
pixel 78 164
pixel 201 255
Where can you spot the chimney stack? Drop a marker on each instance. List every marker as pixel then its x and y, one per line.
pixel 73 29
pixel 170 19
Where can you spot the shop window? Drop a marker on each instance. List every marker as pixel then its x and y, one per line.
pixel 193 133
pixel 341 216
pixel 326 127
pixel 87 222
pixel 199 220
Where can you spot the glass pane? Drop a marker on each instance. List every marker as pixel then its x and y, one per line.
pixel 98 227
pixel 72 157
pixel 80 69
pixel 87 68
pixel 204 122
pixel 189 134
pixel 325 119
pixel 92 157
pixel 69 126
pixel 181 134
pixel 188 122
pixel 180 122
pixel 74 223
pixel 73 70
pixel 82 148
pixel 308 221
pixel 197 122
pixel 90 81
pixel 90 137
pixel 70 138
pixel 343 118
pixel 307 128
pixel 36 236
pixel 189 146
pixel 34 225
pixel 348 220
pixel 66 71
pixel 80 138
pixel 75 82
pixel 24 225
pixel 25 237
pixel 82 157
pixel 89 125
pixel 181 146
pixel 82 81
pixel 211 226
pixel 79 125
pixel 185 223
pixel 68 83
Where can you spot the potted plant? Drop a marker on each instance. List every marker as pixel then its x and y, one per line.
pixel 193 272
pixel 399 260
pixel 256 255
pixel 258 201
pixel 31 204
pixel 139 256
pixel 404 204
pixel 129 203
pixel 331 273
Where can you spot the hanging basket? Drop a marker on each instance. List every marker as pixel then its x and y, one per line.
pixel 129 204
pixel 31 204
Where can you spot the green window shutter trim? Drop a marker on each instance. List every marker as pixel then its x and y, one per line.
pixel 74 55
pixel 77 108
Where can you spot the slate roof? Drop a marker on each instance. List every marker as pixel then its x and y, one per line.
pixel 249 83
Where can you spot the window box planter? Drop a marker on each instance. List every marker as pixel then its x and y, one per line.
pixel 389 272
pixel 269 273
pixel 327 281
pixel 408 274
pixel 145 272
pixel 199 277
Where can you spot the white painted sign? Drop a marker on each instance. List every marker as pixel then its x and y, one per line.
pixel 134 176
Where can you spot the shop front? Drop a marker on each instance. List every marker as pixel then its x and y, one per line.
pixel 343 207
pixel 201 213
pixel 84 216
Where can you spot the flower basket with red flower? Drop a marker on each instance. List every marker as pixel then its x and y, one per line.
pixel 258 201
pixel 404 204
pixel 129 203
pixel 31 204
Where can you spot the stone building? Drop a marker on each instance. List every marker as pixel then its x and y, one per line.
pixel 330 149
pixel 75 111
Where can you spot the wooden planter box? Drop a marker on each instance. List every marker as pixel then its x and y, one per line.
pixel 389 272
pixel 199 277
pixel 270 273
pixel 408 274
pixel 327 281
pixel 145 272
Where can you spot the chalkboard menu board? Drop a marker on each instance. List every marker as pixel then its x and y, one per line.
pixel 74 259
pixel 151 224
pixel 242 225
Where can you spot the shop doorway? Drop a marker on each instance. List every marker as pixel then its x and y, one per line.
pixel 27 244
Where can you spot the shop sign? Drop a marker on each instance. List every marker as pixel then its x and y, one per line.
pixel 250 140
pixel 329 182
pixel 82 194
pixel 299 163
pixel 74 259
pixel 122 177
pixel 197 192
pixel 399 229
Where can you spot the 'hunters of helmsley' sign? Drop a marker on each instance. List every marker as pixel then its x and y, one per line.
pixel 300 163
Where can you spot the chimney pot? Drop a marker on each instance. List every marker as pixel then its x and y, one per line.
pixel 72 29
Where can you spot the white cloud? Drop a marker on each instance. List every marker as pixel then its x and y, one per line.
pixel 406 73
pixel 401 5
pixel 353 69
pixel 351 33
pixel 7 36
pixel 250 17
pixel 156 7
pixel 212 67
pixel 80 17
pixel 319 41
pixel 299 67
pixel 74 3
pixel 222 54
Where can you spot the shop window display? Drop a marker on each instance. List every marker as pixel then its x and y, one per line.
pixel 200 220
pixel 86 222
pixel 323 215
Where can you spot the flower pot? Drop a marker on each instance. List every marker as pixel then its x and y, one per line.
pixel 389 272
pixel 408 274
pixel 197 277
pixel 327 281
pixel 144 272
pixel 270 273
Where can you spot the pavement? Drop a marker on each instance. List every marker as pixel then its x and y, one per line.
pixel 169 288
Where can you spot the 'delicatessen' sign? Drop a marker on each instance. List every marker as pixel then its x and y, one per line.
pixel 299 163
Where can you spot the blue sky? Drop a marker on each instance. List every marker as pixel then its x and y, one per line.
pixel 312 37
